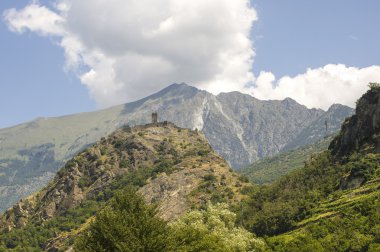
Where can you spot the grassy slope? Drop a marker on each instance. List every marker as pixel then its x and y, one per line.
pixel 60 131
pixel 269 169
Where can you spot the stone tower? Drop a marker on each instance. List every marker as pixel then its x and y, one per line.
pixel 154 118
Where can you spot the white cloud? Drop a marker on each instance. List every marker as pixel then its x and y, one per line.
pixel 318 88
pixel 36 18
pixel 123 50
pixel 132 48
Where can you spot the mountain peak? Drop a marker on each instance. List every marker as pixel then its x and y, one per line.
pixel 337 106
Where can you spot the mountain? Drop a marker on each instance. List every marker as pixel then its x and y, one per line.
pixel 333 118
pixel 269 169
pixel 239 127
pixel 333 202
pixel 173 167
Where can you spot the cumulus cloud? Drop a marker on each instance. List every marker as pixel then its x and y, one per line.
pixel 320 87
pixel 123 50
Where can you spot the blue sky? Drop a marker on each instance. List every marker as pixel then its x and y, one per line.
pixel 289 37
pixel 32 81
pixel 299 34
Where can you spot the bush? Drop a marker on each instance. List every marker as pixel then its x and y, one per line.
pixel 126 224
pixel 209 177
pixel 212 229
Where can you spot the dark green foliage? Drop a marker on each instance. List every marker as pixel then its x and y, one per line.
pixel 274 209
pixel 84 182
pixel 243 179
pixel 358 229
pixel 126 224
pixel 203 152
pixel 163 165
pixel 209 177
pixel 294 202
pixel 123 163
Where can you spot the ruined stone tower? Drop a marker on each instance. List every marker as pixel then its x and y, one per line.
pixel 154 118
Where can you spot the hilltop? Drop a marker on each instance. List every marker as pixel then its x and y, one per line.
pixel 173 167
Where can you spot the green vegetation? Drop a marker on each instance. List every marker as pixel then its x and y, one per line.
pixel 269 169
pixel 330 204
pixel 345 224
pixel 128 224
pixel 125 224
pixel 307 211
pixel 34 237
pixel 212 229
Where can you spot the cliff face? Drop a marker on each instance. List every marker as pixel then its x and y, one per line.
pixel 173 167
pixel 361 132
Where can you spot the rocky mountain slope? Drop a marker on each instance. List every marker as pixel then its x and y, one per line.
pixel 239 127
pixel 332 204
pixel 333 117
pixel 173 167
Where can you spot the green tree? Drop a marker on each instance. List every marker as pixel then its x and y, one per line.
pixel 126 224
pixel 212 229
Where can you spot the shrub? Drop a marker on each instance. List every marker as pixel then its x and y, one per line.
pixel 126 224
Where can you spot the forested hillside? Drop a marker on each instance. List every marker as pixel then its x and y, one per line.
pixel 333 203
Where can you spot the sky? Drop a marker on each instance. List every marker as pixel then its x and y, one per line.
pixel 69 56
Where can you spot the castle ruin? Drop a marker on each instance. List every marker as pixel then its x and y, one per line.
pixel 154 118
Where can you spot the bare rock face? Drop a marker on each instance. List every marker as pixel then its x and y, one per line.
pixel 171 191
pixel 363 128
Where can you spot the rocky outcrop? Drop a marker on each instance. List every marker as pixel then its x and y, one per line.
pixel 361 132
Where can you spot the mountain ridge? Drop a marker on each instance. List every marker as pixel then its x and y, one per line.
pixel 239 127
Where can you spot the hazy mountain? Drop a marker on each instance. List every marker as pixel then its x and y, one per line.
pixel 269 169
pixel 239 127
pixel 334 117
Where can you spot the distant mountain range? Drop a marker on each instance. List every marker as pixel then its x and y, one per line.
pixel 238 126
